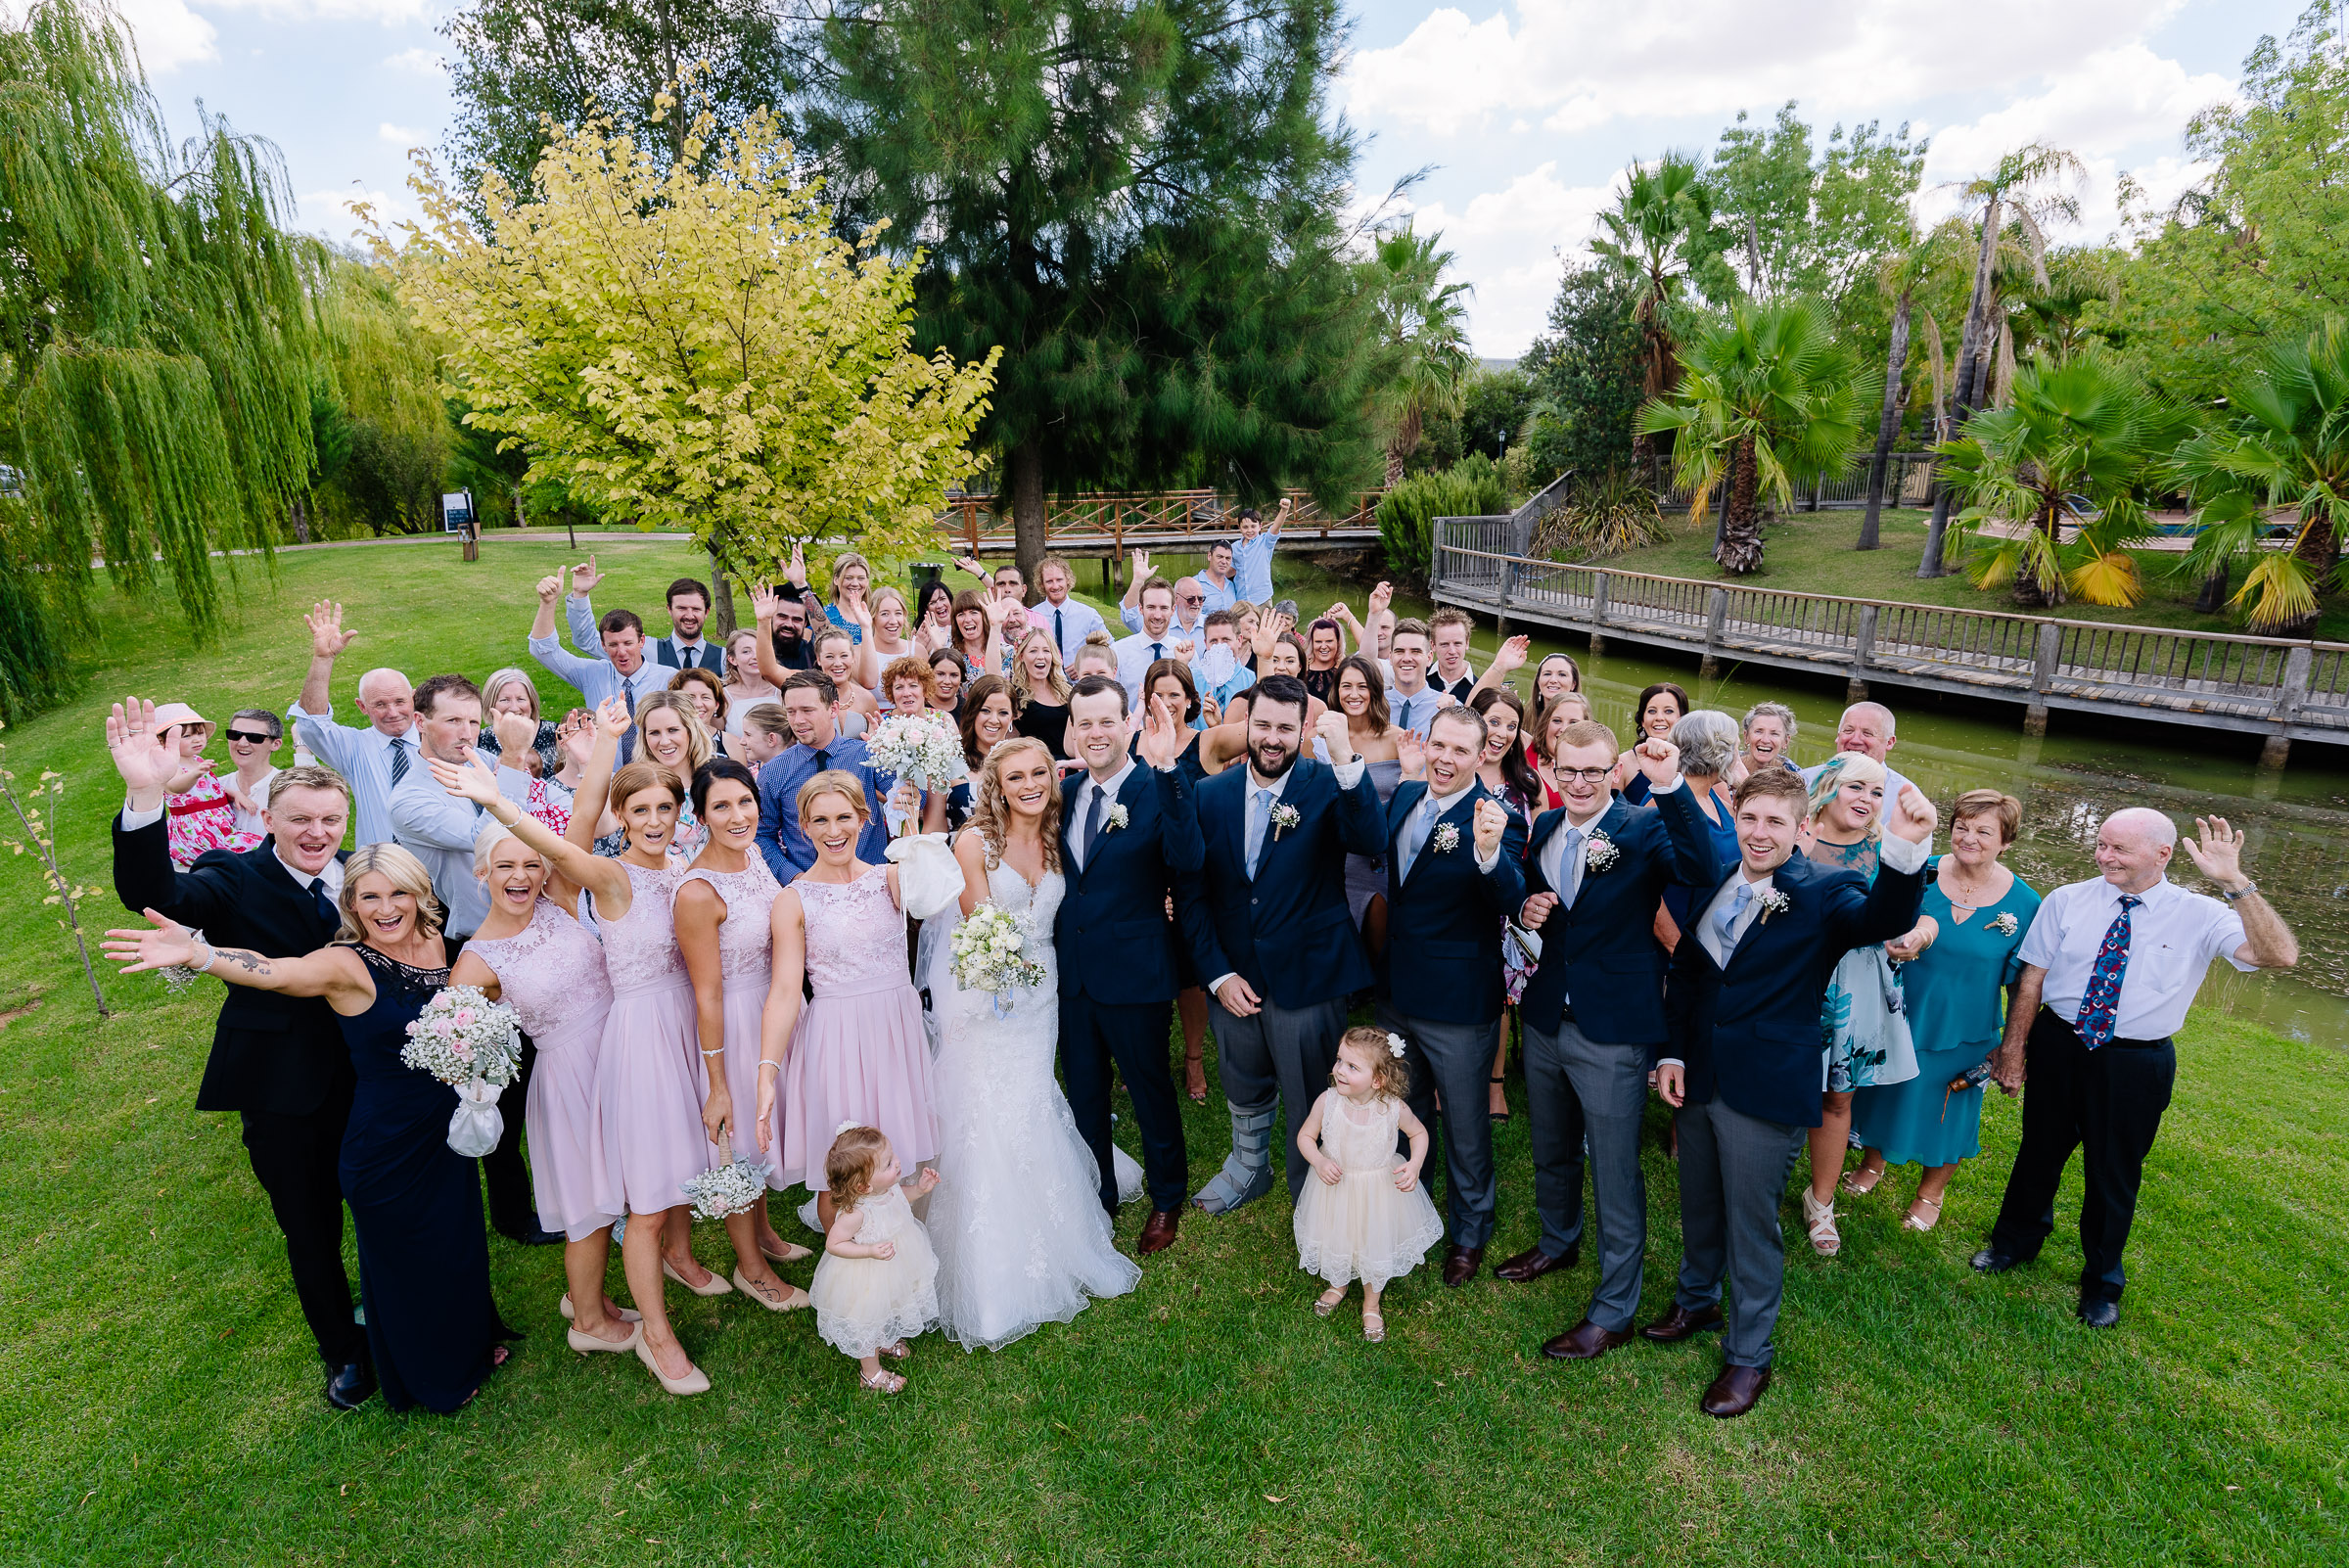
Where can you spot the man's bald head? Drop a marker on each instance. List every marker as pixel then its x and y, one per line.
pixel 388 701
pixel 2144 822
pixel 1866 728
pixel 2134 846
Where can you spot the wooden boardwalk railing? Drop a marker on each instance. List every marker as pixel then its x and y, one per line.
pixel 1187 520
pixel 2277 688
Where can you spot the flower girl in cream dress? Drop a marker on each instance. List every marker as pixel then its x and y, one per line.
pixel 876 1285
pixel 1365 1217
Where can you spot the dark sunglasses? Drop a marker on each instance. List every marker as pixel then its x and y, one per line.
pixel 251 739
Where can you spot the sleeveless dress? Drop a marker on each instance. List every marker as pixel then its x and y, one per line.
pixel 862 1303
pixel 649 1082
pixel 1363 1229
pixel 1365 874
pixel 551 973
pixel 1863 1020
pixel 859 1053
pixel 415 1207
pixel 745 962
pixel 1017 1220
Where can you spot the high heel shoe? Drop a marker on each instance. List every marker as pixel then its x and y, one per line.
pixel 695 1380
pixel 717 1285
pixel 1818 1220
pixel 585 1343
pixel 792 1252
pixel 793 1298
pixel 626 1315
pixel 1909 1220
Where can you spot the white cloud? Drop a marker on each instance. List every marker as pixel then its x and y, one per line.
pixel 168 35
pixel 421 61
pixel 330 212
pixel 1512 242
pixel 390 13
pixel 399 135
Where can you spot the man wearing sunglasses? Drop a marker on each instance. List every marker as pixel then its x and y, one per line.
pixel 1190 605
pixel 252 735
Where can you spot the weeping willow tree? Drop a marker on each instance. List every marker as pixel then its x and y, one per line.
pixel 157 336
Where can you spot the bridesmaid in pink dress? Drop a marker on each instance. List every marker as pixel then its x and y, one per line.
pixel 723 931
pixel 858 1052
pixel 531 954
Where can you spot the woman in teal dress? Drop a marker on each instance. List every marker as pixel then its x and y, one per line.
pixel 1968 940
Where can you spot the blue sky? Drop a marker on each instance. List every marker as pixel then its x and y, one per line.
pixel 1527 110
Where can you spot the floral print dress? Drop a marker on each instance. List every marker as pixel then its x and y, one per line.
pixel 1864 1021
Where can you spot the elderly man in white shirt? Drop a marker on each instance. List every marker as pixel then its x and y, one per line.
pixel 2109 969
pixel 371 757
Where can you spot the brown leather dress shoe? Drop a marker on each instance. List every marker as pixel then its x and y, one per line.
pixel 1158 1232
pixel 1533 1262
pixel 1680 1323
pixel 1462 1263
pixel 1735 1392
pixel 1586 1341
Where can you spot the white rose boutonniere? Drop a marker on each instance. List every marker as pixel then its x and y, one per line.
pixel 1117 818
pixel 1284 817
pixel 1599 854
pixel 1445 839
pixel 1774 901
pixel 2006 924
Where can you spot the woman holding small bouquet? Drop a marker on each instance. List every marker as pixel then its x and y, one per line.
pixel 1017 1221
pixel 415 1204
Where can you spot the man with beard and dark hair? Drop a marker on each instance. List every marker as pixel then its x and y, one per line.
pixel 1280 948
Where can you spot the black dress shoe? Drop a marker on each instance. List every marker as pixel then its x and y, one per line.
pixel 1991 1261
pixel 351 1385
pixel 1680 1323
pixel 1533 1262
pixel 1586 1341
pixel 2100 1313
pixel 535 1237
pixel 1462 1263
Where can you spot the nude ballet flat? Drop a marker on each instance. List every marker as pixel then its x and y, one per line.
pixel 626 1315
pixel 585 1343
pixel 695 1380
pixel 717 1285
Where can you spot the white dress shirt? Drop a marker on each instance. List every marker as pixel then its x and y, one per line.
pixel 1137 653
pixel 2173 935
pixel 362 754
pixel 1071 622
pixel 1080 805
pixel 1347 774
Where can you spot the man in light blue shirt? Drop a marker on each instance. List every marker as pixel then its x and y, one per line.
pixel 1070 619
pixel 809 701
pixel 1413 703
pixel 1218 671
pixel 1252 556
pixel 435 826
pixel 1216 588
pixel 1189 600
pixel 622 672
pixel 371 757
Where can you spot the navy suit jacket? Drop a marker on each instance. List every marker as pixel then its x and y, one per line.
pixel 1600 955
pixel 1443 921
pixel 1114 943
pixel 1753 1037
pixel 1288 933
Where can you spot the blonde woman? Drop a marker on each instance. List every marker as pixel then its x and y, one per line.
pixel 1039 692
pixel 510 691
pixel 888 626
pixel 746 686
pixel 669 733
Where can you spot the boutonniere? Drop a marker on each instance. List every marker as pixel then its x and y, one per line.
pixel 1599 853
pixel 1774 901
pixel 2005 925
pixel 1284 817
pixel 1116 819
pixel 1444 840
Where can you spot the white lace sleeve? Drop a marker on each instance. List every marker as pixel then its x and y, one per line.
pixel 929 877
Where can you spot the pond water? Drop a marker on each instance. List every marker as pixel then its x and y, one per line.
pixel 2297 820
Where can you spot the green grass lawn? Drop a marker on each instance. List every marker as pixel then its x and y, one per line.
pixel 1811 552
pixel 160 1398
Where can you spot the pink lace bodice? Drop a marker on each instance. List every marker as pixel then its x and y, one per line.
pixel 746 941
pixel 551 971
pixel 640 948
pixel 855 933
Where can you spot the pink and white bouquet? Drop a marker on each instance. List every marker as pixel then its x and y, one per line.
pixel 922 748
pixel 466 1041
pixel 729 1190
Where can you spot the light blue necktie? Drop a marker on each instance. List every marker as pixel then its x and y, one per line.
pixel 1414 835
pixel 1569 884
pixel 1725 924
pixel 1260 817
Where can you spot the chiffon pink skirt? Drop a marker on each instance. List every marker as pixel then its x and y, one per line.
pixel 649 1090
pixel 745 1005
pixel 565 1134
pixel 859 1054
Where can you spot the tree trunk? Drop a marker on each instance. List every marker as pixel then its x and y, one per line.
pixel 1888 424
pixel 1393 467
pixel 722 597
pixel 1741 522
pixel 2319 549
pixel 2213 597
pixel 1720 515
pixel 1023 480
pixel 521 519
pixel 301 521
pixel 2028 589
pixel 1970 355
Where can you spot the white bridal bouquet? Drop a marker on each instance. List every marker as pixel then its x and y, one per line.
pixel 991 954
pixel 465 1039
pixel 922 748
pixel 728 1190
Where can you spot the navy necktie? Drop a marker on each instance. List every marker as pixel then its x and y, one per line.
pixel 325 906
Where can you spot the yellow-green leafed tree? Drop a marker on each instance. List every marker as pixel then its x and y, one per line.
pixel 696 351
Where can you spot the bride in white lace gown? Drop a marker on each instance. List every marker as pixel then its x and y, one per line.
pixel 1016 1220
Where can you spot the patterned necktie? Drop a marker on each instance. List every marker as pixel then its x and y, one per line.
pixel 399 760
pixel 1725 924
pixel 2100 1003
pixel 1260 817
pixel 627 693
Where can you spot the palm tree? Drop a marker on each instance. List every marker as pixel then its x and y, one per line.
pixel 2029 186
pixel 1770 393
pixel 1423 325
pixel 1664 241
pixel 2071 450
pixel 2285 445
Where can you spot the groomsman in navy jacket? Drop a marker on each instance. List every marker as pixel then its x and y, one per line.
pixel 1278 950
pixel 1130 842
pixel 1593 1011
pixel 1455 872
pixel 1763 947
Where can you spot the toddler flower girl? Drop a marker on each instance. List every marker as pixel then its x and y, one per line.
pixel 877 1282
pixel 1368 1218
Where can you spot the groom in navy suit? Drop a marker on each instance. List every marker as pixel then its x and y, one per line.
pixel 1593 1011
pixel 1129 841
pixel 1278 950
pixel 1763 946
pixel 1455 872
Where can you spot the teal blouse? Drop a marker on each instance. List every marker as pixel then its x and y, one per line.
pixel 1953 989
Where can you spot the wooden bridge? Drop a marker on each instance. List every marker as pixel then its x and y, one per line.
pixel 1179 521
pixel 2278 688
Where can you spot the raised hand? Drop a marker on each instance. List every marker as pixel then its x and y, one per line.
pixel 1184 648
pixel 798 570
pixel 328 639
pixel 577 738
pixel 1413 753
pixel 1491 820
pixel 611 717
pixel 467 781
pixel 1512 653
pixel 550 589
pixel 1162 740
pixel 2219 853
pixel 145 762
pixel 584 578
pixel 970 563
pixel 1381 596
pixel 1913 816
pixel 1335 738
pixel 1659 759
pixel 516 734
pixel 926 1183
pixel 764 601
pixel 1211 711
pixel 1537 909
pixel 1142 563
pixel 169 943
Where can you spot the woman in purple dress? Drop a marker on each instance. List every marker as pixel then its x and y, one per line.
pixel 725 933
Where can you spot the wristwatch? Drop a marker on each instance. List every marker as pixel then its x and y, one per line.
pixel 2236 895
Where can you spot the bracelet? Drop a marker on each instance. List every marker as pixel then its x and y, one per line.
pixel 212 956
pixel 764 1064
pixel 721 1051
pixel 2244 892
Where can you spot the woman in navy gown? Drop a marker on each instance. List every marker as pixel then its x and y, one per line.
pixel 415 1203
